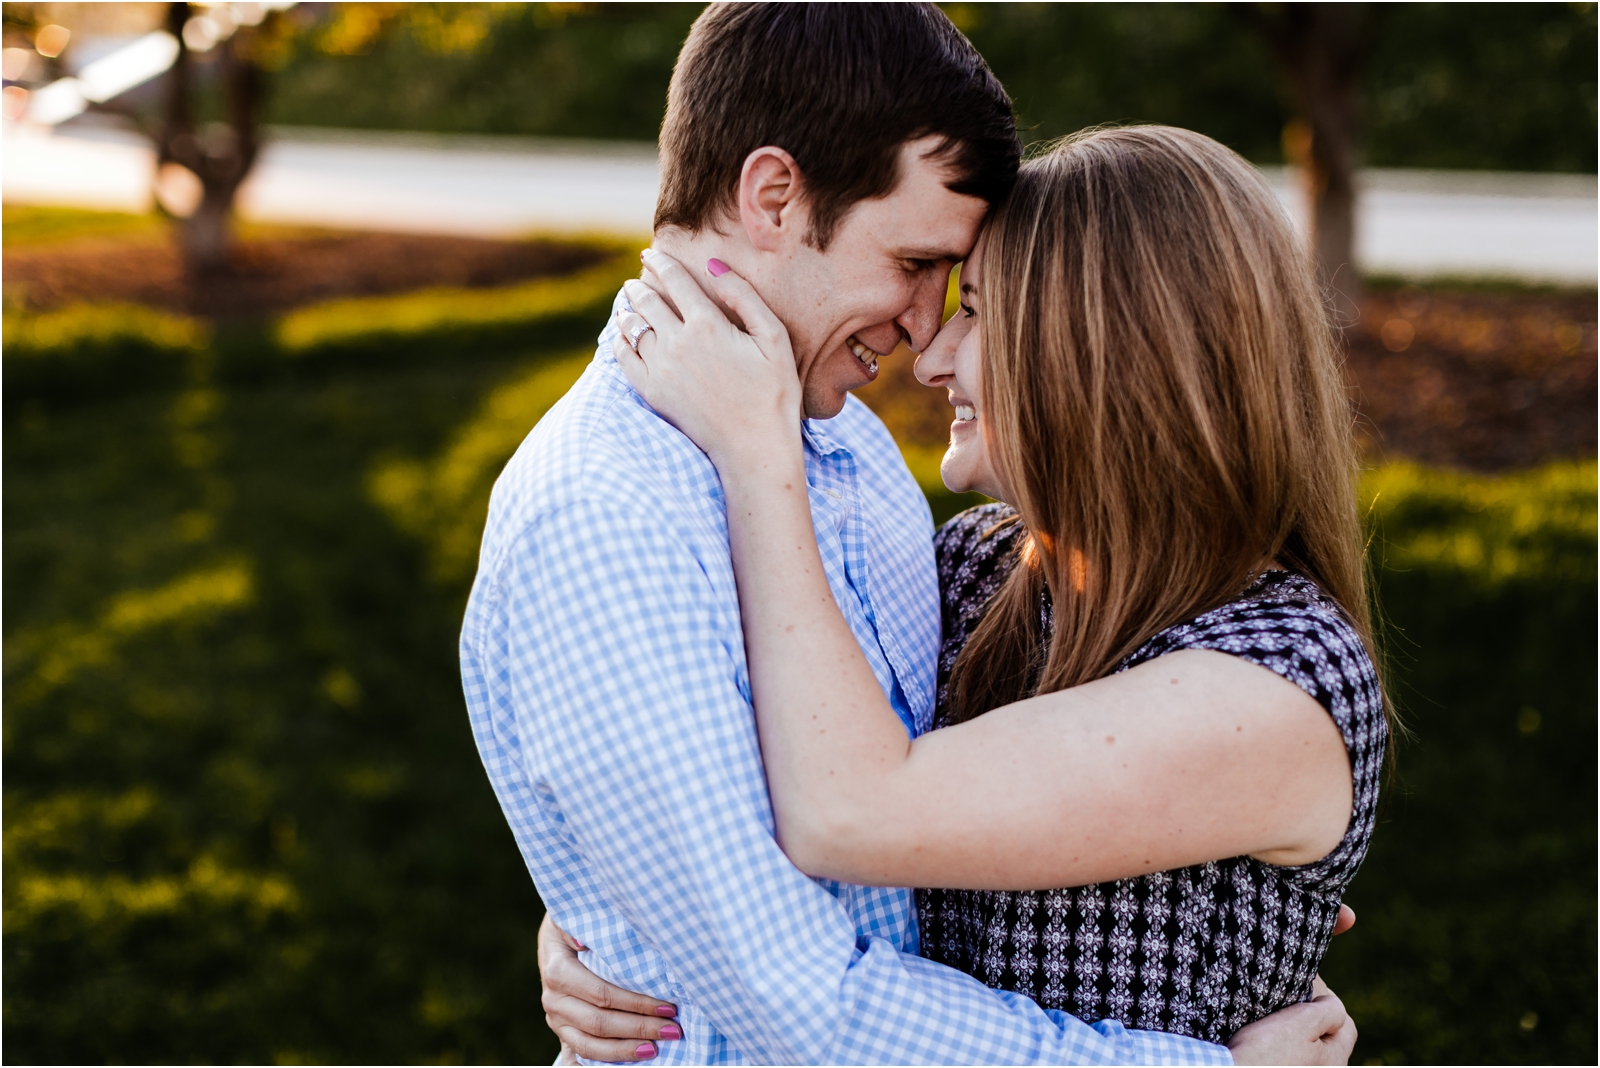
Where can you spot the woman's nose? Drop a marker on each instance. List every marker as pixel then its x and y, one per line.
pixel 937 362
pixel 930 368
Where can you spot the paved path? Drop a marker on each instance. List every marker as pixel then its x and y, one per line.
pixel 1536 227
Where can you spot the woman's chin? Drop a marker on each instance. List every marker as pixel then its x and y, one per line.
pixel 955 472
pixel 962 472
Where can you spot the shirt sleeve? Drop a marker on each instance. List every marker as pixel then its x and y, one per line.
pixel 633 715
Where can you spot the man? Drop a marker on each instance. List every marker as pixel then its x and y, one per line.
pixel 841 158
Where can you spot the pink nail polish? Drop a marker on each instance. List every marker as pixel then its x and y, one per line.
pixel 716 267
pixel 671 1031
pixel 645 1051
pixel 666 1010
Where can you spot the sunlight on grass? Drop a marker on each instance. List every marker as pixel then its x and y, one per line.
pixel 445 501
pixel 373 320
pixel 64 650
pixel 1494 528
pixel 207 884
pixel 100 325
pixel 28 224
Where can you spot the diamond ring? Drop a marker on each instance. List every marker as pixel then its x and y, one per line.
pixel 636 333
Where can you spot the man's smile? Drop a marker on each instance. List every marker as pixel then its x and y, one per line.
pixel 869 358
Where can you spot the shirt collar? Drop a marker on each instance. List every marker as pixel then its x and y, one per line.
pixel 824 443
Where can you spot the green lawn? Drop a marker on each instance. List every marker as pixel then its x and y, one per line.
pixel 244 818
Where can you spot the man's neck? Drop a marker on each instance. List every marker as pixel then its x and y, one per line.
pixel 693 250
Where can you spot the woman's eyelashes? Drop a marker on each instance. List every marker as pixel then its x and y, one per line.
pixel 969 311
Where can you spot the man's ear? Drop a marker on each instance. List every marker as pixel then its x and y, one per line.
pixel 771 200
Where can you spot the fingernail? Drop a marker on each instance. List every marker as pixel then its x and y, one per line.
pixel 666 1010
pixel 716 267
pixel 645 1051
pixel 642 254
pixel 671 1031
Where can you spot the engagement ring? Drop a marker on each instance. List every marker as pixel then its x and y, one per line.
pixel 636 333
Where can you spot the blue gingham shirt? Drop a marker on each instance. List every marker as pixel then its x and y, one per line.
pixel 605 675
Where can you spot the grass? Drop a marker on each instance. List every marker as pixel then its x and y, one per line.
pixel 27 225
pixel 1476 931
pixel 245 821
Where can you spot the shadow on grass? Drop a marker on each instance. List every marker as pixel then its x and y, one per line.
pixel 245 820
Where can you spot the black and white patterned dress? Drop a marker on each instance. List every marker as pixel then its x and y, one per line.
pixel 1198 951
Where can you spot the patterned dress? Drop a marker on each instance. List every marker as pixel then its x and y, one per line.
pixel 1198 951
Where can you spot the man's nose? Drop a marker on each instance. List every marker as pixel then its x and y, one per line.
pixel 921 321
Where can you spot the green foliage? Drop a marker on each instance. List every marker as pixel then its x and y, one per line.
pixel 1508 86
pixel 1068 66
pixel 1499 86
pixel 558 70
pixel 1477 905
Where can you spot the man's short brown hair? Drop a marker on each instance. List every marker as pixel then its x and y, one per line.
pixel 840 87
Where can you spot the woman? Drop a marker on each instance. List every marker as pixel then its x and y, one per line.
pixel 1161 725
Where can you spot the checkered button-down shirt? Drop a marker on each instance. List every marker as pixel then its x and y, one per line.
pixel 604 671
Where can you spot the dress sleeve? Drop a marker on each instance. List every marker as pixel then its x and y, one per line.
pixel 1306 641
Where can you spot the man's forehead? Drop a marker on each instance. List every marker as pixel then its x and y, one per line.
pixel 931 223
pixel 934 221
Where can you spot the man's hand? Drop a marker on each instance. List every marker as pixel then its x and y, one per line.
pixel 593 1018
pixel 1318 1031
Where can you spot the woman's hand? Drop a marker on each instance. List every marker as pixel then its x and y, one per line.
pixel 594 1019
pixel 735 393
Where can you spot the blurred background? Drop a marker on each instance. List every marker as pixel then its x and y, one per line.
pixel 284 287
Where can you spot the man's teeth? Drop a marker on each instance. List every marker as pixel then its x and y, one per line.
pixel 966 413
pixel 868 358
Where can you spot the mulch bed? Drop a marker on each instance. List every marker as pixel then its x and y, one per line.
pixel 276 274
pixel 1480 379
pixel 1487 381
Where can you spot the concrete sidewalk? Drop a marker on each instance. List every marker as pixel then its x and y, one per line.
pixel 1417 223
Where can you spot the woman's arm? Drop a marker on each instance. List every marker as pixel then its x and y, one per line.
pixel 1193 757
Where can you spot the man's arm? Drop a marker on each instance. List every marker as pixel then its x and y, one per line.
pixel 603 1022
pixel 626 692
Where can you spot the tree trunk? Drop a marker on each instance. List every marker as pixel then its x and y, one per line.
pixel 220 157
pixel 1321 49
pixel 206 235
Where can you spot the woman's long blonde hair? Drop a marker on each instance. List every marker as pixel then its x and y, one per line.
pixel 1162 402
